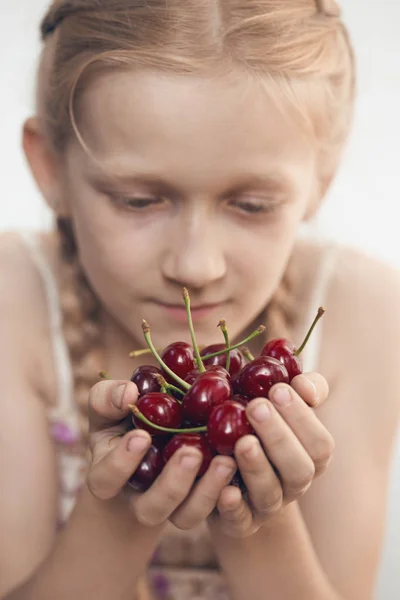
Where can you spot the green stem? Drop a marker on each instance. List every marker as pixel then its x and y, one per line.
pixel 144 419
pixel 255 333
pixel 166 387
pixel 103 375
pixel 199 362
pixel 141 352
pixel 114 437
pixel 146 331
pixel 222 325
pixel 246 353
pixel 320 313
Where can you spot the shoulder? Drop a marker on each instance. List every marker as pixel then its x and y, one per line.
pixel 363 303
pixel 24 319
pixel 360 346
pixel 362 297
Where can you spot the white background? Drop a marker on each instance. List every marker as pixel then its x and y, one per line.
pixel 362 206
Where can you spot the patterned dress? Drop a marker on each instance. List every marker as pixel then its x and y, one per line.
pixel 184 567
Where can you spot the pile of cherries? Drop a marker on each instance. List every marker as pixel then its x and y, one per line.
pixel 199 399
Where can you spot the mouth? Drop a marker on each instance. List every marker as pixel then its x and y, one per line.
pixel 178 311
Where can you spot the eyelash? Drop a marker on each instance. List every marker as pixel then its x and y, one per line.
pixel 142 203
pixel 255 208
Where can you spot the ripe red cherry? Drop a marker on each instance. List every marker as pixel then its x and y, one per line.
pixel 241 399
pixel 161 409
pixel 179 357
pixel 226 425
pixel 145 377
pixel 209 390
pixel 193 375
pixel 195 440
pixel 284 351
pixel 237 359
pixel 258 376
pixel 150 467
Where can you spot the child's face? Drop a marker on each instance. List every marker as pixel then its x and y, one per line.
pixel 202 184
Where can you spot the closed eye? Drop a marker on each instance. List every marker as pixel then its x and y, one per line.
pixel 137 203
pixel 253 207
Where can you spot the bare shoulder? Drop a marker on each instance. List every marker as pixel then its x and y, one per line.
pixel 362 323
pixel 360 357
pixel 24 312
pixel 360 342
pixel 26 380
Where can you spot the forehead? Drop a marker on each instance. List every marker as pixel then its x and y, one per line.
pixel 189 123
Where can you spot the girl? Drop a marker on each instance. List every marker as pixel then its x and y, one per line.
pixel 183 143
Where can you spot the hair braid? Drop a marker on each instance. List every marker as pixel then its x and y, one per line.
pixel 80 309
pixel 82 331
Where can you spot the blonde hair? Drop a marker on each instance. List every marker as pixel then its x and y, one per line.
pixel 300 47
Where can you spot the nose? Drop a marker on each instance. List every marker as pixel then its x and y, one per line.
pixel 195 256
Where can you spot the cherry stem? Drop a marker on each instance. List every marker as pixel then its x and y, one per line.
pixel 255 333
pixel 165 386
pixel 144 419
pixel 320 313
pixel 222 325
pixel 114 437
pixel 246 353
pixel 141 352
pixel 104 375
pixel 199 361
pixel 146 331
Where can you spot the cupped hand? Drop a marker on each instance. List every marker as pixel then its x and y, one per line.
pixel 293 448
pixel 175 495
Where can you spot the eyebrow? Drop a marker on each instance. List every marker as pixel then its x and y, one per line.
pixel 272 180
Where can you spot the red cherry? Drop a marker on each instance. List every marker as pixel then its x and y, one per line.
pixel 259 375
pixel 193 375
pixel 145 377
pixel 150 467
pixel 226 425
pixel 195 440
pixel 209 390
pixel 179 357
pixel 161 409
pixel 241 399
pixel 284 351
pixel 237 359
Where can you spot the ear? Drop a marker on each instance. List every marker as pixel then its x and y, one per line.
pixel 45 165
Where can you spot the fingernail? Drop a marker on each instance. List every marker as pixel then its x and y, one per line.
pixel 251 447
pixel 223 472
pixel 261 412
pixel 189 461
pixel 281 396
pixel 137 443
pixel 312 388
pixel 118 396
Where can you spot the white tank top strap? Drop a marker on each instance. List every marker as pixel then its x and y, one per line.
pixel 326 269
pixel 63 410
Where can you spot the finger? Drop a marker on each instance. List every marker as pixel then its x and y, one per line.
pixel 236 515
pixel 170 488
pixel 109 403
pixel 202 501
pixel 284 450
pixel 109 475
pixel 311 387
pixel 263 486
pixel 311 433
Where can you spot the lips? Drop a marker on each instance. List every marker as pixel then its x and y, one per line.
pixel 178 311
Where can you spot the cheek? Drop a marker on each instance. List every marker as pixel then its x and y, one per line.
pixel 260 258
pixel 115 253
